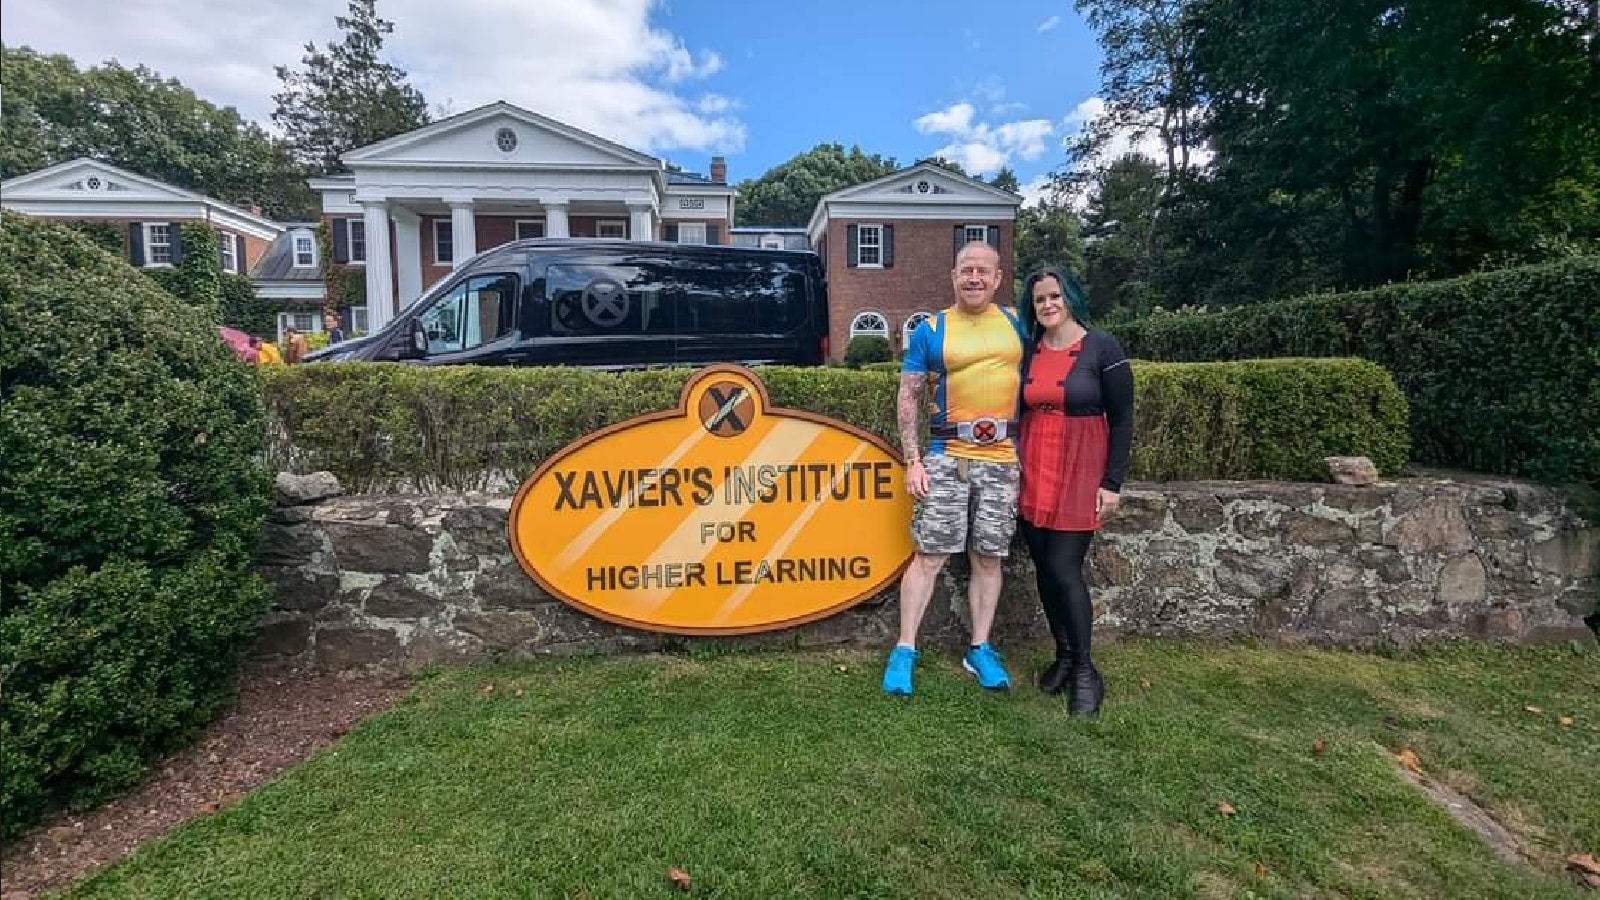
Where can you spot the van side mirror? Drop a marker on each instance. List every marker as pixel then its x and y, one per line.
pixel 416 347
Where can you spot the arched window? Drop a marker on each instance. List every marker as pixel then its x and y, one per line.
pixel 869 323
pixel 912 321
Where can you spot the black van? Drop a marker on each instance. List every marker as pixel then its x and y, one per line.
pixel 611 304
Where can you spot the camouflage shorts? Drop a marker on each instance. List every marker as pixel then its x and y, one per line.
pixel 984 502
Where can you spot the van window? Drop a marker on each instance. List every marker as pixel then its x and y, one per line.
pixel 474 312
pixel 624 299
pixel 740 297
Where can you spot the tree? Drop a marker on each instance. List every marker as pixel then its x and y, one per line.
pixel 1006 180
pixel 344 96
pixel 787 193
pixel 1395 141
pixel 135 119
pixel 1048 233
pixel 1147 82
pixel 1119 226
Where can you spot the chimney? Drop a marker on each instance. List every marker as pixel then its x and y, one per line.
pixel 719 170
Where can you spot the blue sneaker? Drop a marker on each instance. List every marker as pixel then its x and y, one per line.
pixel 897 674
pixel 984 662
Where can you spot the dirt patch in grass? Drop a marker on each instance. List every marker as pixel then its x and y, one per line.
pixel 280 718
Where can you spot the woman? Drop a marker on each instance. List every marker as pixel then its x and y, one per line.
pixel 1077 433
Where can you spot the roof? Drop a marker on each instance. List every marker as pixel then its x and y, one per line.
pixel 861 192
pixel 767 229
pixel 488 110
pixel 250 221
pixel 277 264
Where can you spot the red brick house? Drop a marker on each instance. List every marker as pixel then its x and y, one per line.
pixel 888 246
pixel 147 212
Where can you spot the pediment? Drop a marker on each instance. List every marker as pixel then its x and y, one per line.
pixel 923 183
pixel 88 179
pixel 500 134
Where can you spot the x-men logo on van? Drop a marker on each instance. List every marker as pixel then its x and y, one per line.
pixel 725 515
pixel 605 302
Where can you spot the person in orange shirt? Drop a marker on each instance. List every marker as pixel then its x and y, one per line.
pixel 966 486
pixel 267 353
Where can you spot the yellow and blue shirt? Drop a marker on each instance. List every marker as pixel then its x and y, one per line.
pixel 975 360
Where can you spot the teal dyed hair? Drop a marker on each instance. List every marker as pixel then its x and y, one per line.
pixel 1077 300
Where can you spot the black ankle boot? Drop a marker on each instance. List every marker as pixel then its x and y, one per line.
pixel 1088 689
pixel 1053 678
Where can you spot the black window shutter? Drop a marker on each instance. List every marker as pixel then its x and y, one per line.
pixel 888 246
pixel 238 254
pixel 175 235
pixel 994 237
pixel 341 241
pixel 960 241
pixel 851 252
pixel 713 234
pixel 136 243
pixel 669 232
pixel 222 238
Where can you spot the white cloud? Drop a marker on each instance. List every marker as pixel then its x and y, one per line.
pixel 1036 190
pixel 957 120
pixel 1049 23
pixel 597 64
pixel 979 147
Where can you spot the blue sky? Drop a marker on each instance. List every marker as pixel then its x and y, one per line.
pixel 864 73
pixel 682 79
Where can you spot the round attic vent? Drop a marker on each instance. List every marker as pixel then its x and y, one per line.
pixel 93 184
pixel 923 187
pixel 506 140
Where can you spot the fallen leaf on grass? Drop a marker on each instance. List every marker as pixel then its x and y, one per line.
pixel 679 878
pixel 1225 808
pixel 1565 721
pixel 1409 761
pixel 843 669
pixel 487 689
pixel 1319 747
pixel 517 692
pixel 1583 862
pixel 1144 684
pixel 1261 871
pixel 1534 709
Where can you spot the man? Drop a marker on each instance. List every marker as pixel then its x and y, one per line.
pixel 330 324
pixel 966 487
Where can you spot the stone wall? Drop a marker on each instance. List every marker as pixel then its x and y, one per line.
pixel 404 581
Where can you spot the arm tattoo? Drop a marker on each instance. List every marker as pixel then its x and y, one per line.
pixel 906 411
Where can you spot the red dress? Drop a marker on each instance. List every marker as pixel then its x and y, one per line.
pixel 1063 457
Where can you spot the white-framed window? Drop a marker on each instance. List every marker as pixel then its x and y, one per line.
pixel 356 241
pixel 692 233
pixel 772 242
pixel 972 233
pixel 358 320
pixel 869 323
pixel 529 228
pixel 227 252
pixel 304 321
pixel 305 252
pixel 869 250
pixel 617 228
pixel 158 244
pixel 912 321
pixel 444 243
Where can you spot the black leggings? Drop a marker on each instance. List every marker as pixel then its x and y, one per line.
pixel 1058 565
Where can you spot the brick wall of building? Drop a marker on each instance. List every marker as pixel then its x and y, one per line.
pixel 919 280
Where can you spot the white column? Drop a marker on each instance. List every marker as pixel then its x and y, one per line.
pixel 463 231
pixel 641 224
pixel 380 272
pixel 407 255
pixel 555 219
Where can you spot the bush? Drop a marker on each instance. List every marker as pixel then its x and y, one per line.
pixel 380 426
pixel 867 348
pixel 242 309
pixel 196 279
pixel 130 504
pixel 1500 368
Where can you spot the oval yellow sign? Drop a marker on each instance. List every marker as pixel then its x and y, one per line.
pixel 726 515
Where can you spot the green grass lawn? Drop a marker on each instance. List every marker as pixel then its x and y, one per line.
pixel 788 775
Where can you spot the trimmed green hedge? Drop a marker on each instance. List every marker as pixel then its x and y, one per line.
pixel 1502 370
pixel 131 501
pixel 381 426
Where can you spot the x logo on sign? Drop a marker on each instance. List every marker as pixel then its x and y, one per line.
pixel 726 404
pixel 983 432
